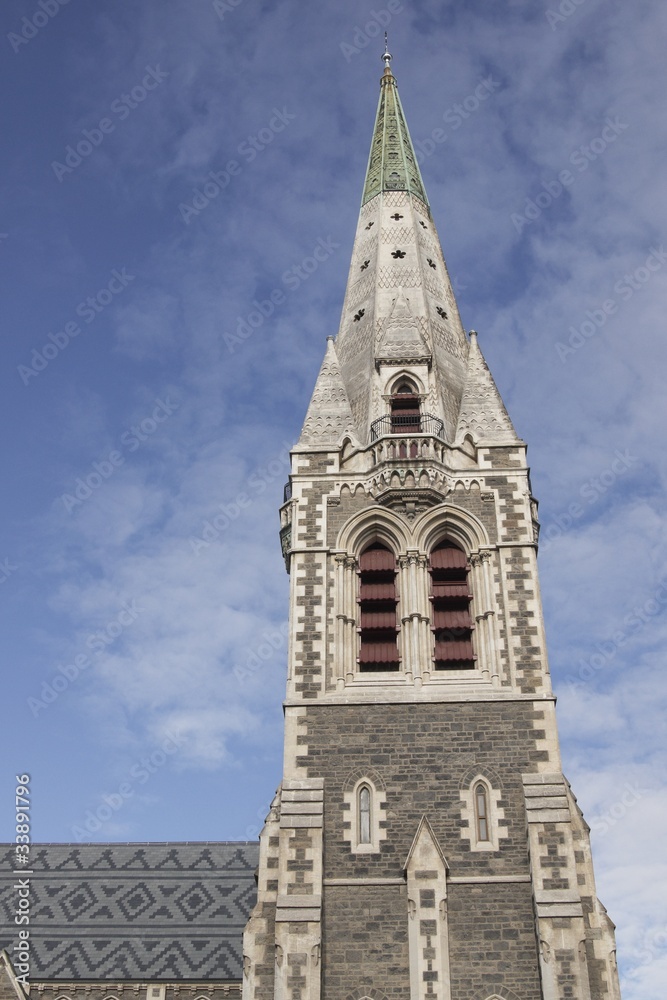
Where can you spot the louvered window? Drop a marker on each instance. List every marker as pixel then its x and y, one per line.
pixel 377 604
pixel 450 597
pixel 405 413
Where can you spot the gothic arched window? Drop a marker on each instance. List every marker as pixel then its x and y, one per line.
pixel 484 824
pixel 481 811
pixel 377 605
pixel 364 814
pixel 364 804
pixel 405 410
pixel 450 597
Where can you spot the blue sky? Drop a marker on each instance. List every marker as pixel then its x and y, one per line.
pixel 132 375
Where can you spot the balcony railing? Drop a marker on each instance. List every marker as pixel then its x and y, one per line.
pixel 396 423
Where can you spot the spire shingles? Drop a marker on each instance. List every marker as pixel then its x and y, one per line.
pixel 392 164
pixel 483 413
pixel 329 415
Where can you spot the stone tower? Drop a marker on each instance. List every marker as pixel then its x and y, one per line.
pixel 424 842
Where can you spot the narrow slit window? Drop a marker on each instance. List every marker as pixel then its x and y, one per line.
pixel 450 597
pixel 481 812
pixel 377 609
pixel 364 815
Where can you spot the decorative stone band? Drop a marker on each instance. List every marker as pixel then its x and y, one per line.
pixel 546 798
pixel 547 806
pixel 302 803
pixel 295 908
pixel 298 933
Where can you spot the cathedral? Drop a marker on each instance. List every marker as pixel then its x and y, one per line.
pixel 423 843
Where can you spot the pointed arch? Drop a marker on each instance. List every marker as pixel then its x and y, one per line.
pixel 369 773
pixel 481 809
pixel 404 377
pixel 499 992
pixel 366 993
pixel 454 523
pixel 346 447
pixel 373 524
pixel 469 776
pixel 365 805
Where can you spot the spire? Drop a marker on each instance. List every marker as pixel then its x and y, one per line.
pixel 399 305
pixel 329 415
pixel 483 412
pixel 392 164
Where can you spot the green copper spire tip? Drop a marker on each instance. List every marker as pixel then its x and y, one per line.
pixel 392 164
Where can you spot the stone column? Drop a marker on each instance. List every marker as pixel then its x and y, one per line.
pixel 484 614
pixel 299 901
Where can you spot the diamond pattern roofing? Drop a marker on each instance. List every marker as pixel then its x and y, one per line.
pixel 134 911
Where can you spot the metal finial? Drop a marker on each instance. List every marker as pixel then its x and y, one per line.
pixel 387 54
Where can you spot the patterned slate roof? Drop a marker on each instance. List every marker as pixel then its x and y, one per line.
pixel 133 911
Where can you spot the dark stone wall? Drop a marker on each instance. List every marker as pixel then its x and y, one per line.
pixel 341 510
pixel 365 942
pixel 471 501
pixel 506 458
pixel 492 940
pixel 422 753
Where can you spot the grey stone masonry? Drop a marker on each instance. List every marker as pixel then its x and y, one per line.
pixel 422 753
pixel 577 951
pixel 365 945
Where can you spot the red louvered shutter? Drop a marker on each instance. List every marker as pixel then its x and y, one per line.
pixel 405 412
pixel 450 597
pixel 377 602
